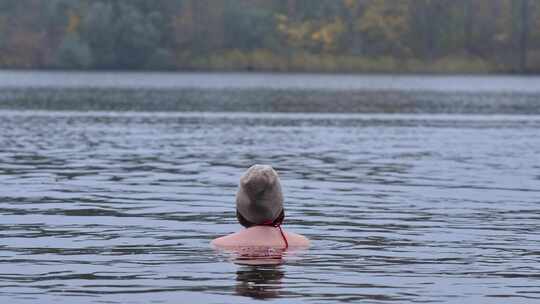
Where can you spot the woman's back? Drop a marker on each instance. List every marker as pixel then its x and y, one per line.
pixel 261 236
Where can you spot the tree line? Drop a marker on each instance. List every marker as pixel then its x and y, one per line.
pixel 272 35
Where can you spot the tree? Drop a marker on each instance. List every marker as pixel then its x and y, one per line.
pixel 385 26
pixel 136 37
pixel 468 24
pixel 74 53
pixel 524 35
pixel 98 28
pixel 249 28
pixel 120 35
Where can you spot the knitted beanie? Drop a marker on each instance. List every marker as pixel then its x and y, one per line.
pixel 259 198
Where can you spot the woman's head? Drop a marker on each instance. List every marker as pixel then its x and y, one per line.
pixel 259 199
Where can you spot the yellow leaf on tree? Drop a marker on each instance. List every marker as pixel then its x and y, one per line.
pixel 74 21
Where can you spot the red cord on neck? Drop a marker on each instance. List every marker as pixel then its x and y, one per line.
pixel 283 236
pixel 277 225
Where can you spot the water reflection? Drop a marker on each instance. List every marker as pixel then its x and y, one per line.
pixel 260 271
pixel 260 282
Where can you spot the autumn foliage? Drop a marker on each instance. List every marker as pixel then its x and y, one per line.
pixel 272 35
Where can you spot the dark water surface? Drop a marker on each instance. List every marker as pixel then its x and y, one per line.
pixel 120 207
pixel 263 92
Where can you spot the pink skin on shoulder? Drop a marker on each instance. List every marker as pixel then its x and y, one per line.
pixel 261 236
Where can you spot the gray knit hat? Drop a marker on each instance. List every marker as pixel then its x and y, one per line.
pixel 259 198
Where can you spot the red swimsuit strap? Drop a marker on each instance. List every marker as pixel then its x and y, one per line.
pixel 283 236
pixel 277 225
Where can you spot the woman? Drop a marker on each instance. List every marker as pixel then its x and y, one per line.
pixel 259 208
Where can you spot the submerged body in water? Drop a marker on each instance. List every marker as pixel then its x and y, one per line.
pixel 260 245
pixel 259 208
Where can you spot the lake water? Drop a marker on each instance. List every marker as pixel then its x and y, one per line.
pixel 131 80
pixel 118 207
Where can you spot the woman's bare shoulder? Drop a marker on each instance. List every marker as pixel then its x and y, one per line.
pixel 260 236
pixel 296 239
pixel 227 240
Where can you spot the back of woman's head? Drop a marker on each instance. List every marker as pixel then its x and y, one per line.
pixel 259 199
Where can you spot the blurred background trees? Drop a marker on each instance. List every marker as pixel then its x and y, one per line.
pixel 279 35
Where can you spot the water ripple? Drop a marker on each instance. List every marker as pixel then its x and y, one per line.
pixel 120 207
